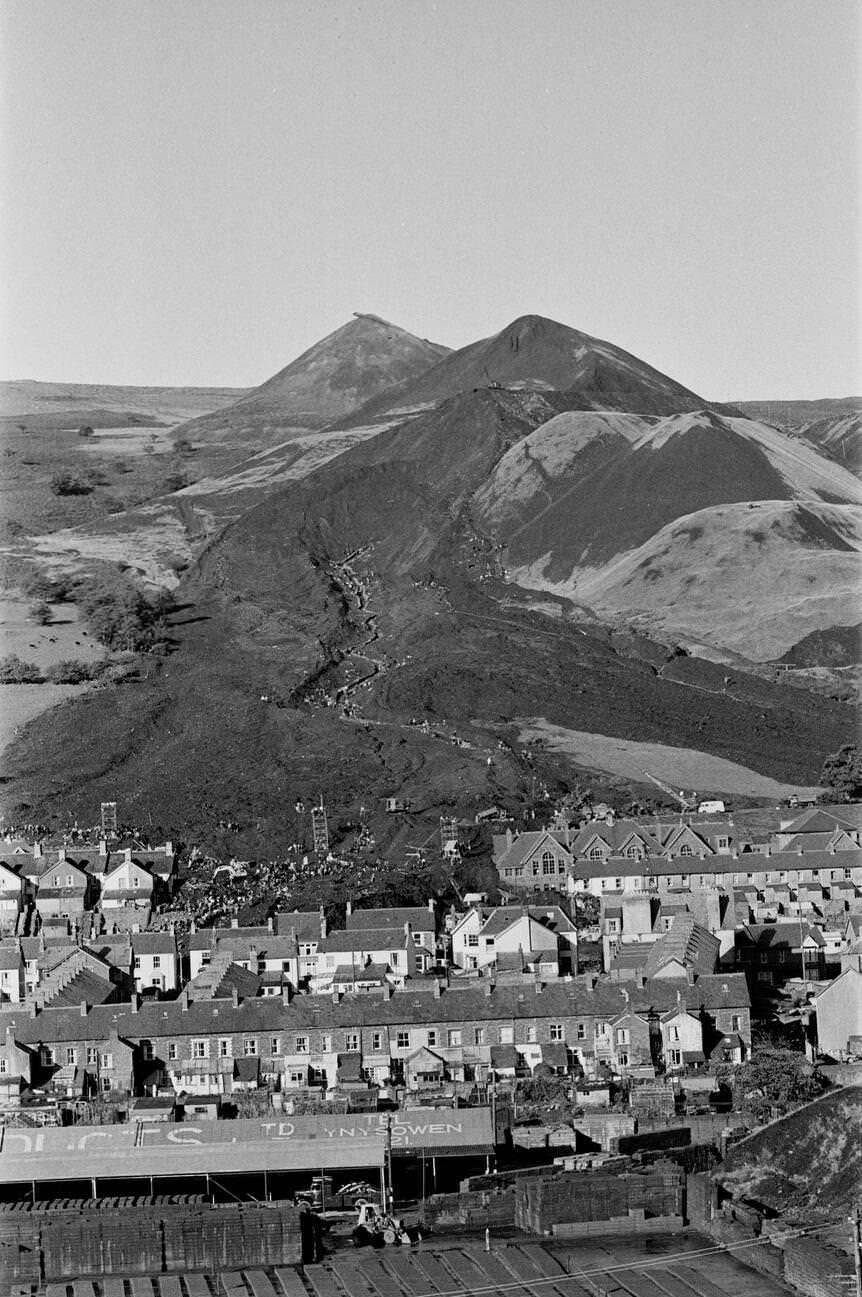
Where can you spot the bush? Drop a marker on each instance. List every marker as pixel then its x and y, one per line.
pixel 72 671
pixel 41 613
pixel 184 446
pixel 85 431
pixel 13 671
pixel 49 589
pixel 68 484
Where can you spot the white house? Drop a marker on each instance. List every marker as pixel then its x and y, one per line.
pixel 126 883
pixel 155 961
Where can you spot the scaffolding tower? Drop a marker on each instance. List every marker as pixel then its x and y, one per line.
pixel 109 819
pixel 448 832
pixel 319 828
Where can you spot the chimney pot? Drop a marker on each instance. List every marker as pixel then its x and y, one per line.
pixel 349 908
pixel 234 997
pixel 234 923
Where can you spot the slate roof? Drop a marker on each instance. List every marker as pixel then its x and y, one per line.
pixel 411 1006
pixel 524 845
pixel 364 939
pixel 345 974
pixel 419 917
pixel 154 943
pixel 85 985
pixel 306 923
pixel 693 945
pixel 504 916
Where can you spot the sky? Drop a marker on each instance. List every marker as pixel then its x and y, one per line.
pixel 192 192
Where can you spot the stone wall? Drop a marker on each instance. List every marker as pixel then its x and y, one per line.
pixel 46 1242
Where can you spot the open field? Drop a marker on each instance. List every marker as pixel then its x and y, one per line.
pixel 682 767
pixel 61 640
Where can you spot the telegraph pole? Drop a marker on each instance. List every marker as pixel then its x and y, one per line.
pixel 856 1222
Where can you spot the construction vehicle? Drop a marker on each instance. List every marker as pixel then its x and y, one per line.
pixel 686 803
pixel 376 1228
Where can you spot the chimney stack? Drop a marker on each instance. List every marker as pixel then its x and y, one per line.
pixel 83 1009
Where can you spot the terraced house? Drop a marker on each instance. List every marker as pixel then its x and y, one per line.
pixel 207 1046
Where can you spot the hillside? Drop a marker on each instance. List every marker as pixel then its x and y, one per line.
pixel 806 1164
pixel 832 427
pixel 540 355
pixel 63 404
pixel 366 599
pixel 350 366
pixel 403 605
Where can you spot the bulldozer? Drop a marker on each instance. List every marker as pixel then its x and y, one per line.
pixel 376 1228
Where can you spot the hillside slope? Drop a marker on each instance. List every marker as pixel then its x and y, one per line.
pixel 540 355
pixel 348 367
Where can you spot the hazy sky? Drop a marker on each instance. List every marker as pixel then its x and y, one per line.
pixel 194 191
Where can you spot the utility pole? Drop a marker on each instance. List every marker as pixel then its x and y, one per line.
pixel 856 1222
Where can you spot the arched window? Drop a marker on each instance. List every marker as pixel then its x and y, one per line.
pixel 596 853
pixel 635 851
pixel 685 850
pixel 549 864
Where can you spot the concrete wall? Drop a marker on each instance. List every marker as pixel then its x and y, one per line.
pixel 51 1243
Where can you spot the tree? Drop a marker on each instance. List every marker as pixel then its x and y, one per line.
pixel 14 671
pixel 122 615
pixel 85 430
pixel 72 671
pixel 49 589
pixel 842 773
pixel 68 484
pixel 772 1082
pixel 41 613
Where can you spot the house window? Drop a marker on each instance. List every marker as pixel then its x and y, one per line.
pixel 68 880
pixel 549 864
pixel 249 1047
pixel 455 1037
pixel 157 961
pixel 3 1066
pixel 71 1055
pixel 137 961
pixel 596 853
pixel 736 1022
pixel 300 1045
pixel 92 1057
pixel 582 1031
pixel 685 850
pixel 675 1057
pixel 297 1077
pixel 394 956
pixel 723 843
pixel 147 1051
pixel 531 1035
pixel 634 852
pixel 107 1061
pixel 432 1037
pixel 557 1032
pixel 624 1058
pixel 351 1041
pixel 173 1052
pixel 507 1035
pixel 275 1044
pixel 622 1035
pixel 402 1040
pixel 472 939
pixel 47 1056
pixel 326 1043
pixel 618 882
pixel 200 1049
pixel 225 1048
pixel 674 1033
pixel 479 1036
pixel 376 1041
